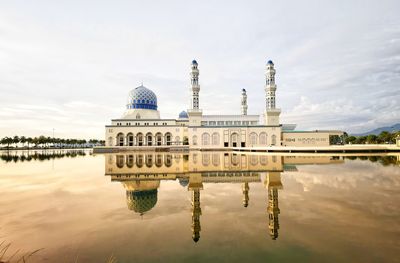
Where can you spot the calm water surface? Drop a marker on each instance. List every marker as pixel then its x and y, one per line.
pixel 200 207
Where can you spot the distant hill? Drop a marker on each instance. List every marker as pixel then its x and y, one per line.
pixel 377 131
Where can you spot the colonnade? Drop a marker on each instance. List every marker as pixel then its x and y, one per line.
pixel 148 139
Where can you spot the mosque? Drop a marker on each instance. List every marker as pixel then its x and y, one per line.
pixel 141 174
pixel 141 126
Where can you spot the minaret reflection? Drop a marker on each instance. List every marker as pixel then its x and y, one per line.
pixel 245 188
pixel 195 185
pixel 142 173
pixel 273 183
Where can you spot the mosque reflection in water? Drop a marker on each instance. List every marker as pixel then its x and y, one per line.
pixel 141 174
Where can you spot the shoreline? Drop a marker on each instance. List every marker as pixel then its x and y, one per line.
pixel 353 148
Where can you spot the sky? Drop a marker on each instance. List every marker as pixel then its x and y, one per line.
pixel 69 65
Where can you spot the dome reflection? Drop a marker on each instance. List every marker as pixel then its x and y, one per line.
pixel 142 173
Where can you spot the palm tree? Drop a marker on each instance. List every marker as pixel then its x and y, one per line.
pixel 8 141
pixel 3 141
pixel 29 140
pixel 22 139
pixel 41 140
pixel 16 141
pixel 35 141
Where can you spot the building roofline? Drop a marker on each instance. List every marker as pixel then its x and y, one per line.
pixel 143 119
pixel 231 115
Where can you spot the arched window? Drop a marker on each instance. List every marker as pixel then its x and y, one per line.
pixel 215 159
pixel 120 161
pixel 185 140
pixel 205 139
pixel 168 138
pixel 253 160
pixel 129 161
pixel 120 139
pixel 139 139
pixel 139 160
pixel 158 138
pixel 177 140
pixel 159 160
pixel 205 158
pixel 168 160
pixel 263 160
pixel 253 138
pixel 234 139
pixel 149 160
pixel 194 139
pixel 110 141
pixel 129 139
pixel 149 139
pixel 215 138
pixel 263 138
pixel 273 140
pixel 235 159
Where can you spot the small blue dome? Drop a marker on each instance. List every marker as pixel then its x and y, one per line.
pixel 270 62
pixel 142 98
pixel 194 62
pixel 183 181
pixel 183 115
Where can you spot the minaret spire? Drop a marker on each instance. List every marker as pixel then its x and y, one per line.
pixel 195 87
pixel 271 112
pixel 270 86
pixel 244 102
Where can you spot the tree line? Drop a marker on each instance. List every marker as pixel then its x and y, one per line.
pixel 41 156
pixel 384 137
pixel 48 142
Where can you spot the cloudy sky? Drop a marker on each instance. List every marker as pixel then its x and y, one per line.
pixel 69 65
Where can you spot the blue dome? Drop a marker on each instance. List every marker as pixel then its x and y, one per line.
pixel 183 181
pixel 142 98
pixel 194 62
pixel 183 115
pixel 270 62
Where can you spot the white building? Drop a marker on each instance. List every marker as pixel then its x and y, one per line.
pixel 141 127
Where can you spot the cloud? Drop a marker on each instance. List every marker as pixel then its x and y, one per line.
pixel 54 54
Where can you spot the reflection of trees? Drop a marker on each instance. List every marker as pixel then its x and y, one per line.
pixel 383 160
pixel 40 156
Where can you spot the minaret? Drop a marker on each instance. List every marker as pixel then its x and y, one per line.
pixel 244 102
pixel 273 183
pixel 273 212
pixel 195 114
pixel 195 185
pixel 272 113
pixel 196 212
pixel 245 189
pixel 270 86
pixel 195 87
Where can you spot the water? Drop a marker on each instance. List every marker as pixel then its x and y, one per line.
pixel 201 207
